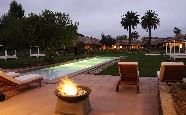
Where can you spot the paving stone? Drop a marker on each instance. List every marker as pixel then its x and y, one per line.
pixel 104 99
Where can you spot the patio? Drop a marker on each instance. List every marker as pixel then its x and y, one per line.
pixel 103 99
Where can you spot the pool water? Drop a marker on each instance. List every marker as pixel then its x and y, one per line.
pixel 65 69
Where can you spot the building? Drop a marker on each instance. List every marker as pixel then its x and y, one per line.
pixel 88 43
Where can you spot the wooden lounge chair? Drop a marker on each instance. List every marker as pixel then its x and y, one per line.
pixel 129 74
pixel 19 81
pixel 172 73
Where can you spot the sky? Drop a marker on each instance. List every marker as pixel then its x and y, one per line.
pixel 104 16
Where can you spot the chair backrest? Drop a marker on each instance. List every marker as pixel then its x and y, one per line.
pixel 173 73
pixel 128 71
pixel 7 78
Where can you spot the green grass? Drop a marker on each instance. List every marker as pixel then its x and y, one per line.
pixel 148 65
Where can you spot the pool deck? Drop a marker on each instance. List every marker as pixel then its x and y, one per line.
pixel 104 100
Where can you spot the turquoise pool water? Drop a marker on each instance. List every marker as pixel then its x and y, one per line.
pixel 65 69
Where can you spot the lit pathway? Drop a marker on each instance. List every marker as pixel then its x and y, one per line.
pixel 104 100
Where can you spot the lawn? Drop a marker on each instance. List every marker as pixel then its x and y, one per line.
pixel 148 65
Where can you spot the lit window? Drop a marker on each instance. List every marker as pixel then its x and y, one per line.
pixel 181 45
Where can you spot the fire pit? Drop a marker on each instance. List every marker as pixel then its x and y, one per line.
pixel 72 98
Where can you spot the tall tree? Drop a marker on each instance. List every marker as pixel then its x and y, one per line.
pixel 107 40
pixel 130 21
pixel 12 26
pixel 49 30
pixel 177 31
pixel 134 35
pixel 56 30
pixel 150 21
pixel 12 32
pixel 16 10
pixel 32 27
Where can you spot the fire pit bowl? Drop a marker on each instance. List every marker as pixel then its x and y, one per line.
pixel 74 99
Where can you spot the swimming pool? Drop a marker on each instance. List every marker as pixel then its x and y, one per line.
pixel 68 68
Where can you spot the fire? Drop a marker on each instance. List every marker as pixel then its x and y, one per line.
pixel 67 87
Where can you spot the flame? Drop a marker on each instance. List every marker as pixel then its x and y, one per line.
pixel 67 87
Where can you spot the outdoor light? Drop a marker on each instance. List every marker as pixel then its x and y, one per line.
pixel 181 45
pixel 114 46
pixel 121 47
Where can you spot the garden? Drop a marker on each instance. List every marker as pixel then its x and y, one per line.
pixel 56 34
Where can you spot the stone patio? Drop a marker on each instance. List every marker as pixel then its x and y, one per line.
pixel 104 100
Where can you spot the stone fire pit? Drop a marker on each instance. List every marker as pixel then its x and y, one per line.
pixel 74 99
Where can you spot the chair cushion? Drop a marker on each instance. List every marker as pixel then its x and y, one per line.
pixel 13 74
pixel 10 78
pixel 28 78
pixel 162 68
pixel 128 63
pixel 172 63
pixel 131 63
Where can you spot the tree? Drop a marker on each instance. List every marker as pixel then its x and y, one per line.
pixel 16 10
pixel 107 40
pixel 32 27
pixel 81 35
pixel 134 35
pixel 52 31
pixel 121 37
pixel 55 31
pixel 130 21
pixel 11 32
pixel 177 31
pixel 150 21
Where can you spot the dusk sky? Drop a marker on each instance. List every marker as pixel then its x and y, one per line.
pixel 97 16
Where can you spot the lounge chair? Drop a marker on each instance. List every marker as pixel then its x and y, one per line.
pixel 171 72
pixel 129 74
pixel 21 80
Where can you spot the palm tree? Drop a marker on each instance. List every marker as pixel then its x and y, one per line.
pixel 129 21
pixel 134 35
pixel 150 21
pixel 177 31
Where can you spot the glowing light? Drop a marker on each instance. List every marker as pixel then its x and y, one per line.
pixel 120 46
pixel 181 45
pixel 67 87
